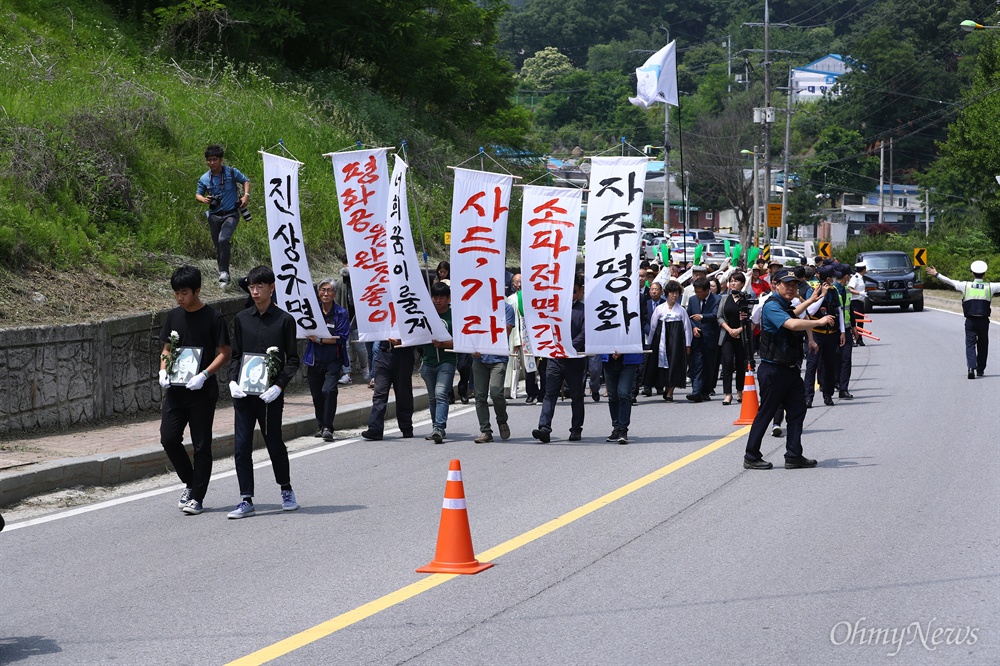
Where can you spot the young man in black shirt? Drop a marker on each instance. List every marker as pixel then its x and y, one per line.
pixel 257 329
pixel 197 325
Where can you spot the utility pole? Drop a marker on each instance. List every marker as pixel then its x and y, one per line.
pixel 729 62
pixel 756 198
pixel 927 212
pixel 881 181
pixel 892 193
pixel 768 109
pixel 783 236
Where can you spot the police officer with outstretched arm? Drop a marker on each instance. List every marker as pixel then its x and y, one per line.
pixel 976 296
pixel 782 339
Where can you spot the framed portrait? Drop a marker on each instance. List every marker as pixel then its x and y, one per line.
pixel 187 365
pixel 253 373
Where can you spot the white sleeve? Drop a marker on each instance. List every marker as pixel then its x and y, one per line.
pixel 688 334
pixel 814 308
pixel 994 288
pixel 957 286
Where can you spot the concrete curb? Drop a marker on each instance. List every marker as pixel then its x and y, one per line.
pixel 109 469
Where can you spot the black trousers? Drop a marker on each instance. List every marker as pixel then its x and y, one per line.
pixel 557 371
pixel 251 411
pixel 846 361
pixel 196 409
pixel 734 361
pixel 977 342
pixel 323 388
pixel 825 362
pixel 393 369
pixel 778 386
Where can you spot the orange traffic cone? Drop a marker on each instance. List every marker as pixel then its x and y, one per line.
pixel 748 412
pixel 454 552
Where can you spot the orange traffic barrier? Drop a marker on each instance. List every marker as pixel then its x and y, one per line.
pixel 863 319
pixel 748 411
pixel 454 552
pixel 867 334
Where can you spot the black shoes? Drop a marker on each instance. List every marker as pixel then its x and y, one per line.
pixel 596 395
pixel 979 373
pixel 327 435
pixel 847 395
pixel 530 401
pixel 707 397
pixel 541 435
pixel 972 373
pixel 407 434
pixel 809 403
pixel 799 463
pixel 613 437
pixel 371 435
pixel 694 398
pixel 756 464
pixel 828 400
pixel 575 435
pixel 623 436
pixel 647 392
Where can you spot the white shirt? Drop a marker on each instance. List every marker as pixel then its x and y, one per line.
pixel 665 313
pixel 857 283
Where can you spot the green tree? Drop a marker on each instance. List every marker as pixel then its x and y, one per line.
pixel 540 71
pixel 840 163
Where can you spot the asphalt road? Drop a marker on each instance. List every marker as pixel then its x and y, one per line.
pixel 894 537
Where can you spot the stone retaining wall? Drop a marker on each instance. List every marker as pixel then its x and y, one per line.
pixel 60 376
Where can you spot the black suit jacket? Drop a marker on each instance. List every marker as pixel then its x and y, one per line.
pixel 709 323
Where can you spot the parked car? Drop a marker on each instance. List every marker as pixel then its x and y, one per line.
pixel 649 237
pixel 696 235
pixel 892 280
pixel 651 250
pixel 786 255
pixel 713 253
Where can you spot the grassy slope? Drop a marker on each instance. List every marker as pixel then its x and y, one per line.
pixel 87 107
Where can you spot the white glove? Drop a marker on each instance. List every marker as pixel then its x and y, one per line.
pixel 236 391
pixel 270 394
pixel 164 379
pixel 196 382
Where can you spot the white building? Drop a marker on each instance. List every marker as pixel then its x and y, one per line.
pixel 818 78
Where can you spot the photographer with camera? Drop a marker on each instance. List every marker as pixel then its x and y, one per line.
pixel 218 188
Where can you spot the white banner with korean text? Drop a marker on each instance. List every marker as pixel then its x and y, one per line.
pixel 293 286
pixel 614 223
pixel 478 253
pixel 550 227
pixel 362 178
pixel 418 321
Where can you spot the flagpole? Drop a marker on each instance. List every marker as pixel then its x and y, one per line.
pixel 666 170
pixel 680 143
pixel 416 212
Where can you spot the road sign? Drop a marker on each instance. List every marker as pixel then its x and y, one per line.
pixel 774 216
pixel 447 238
pixel 824 250
pixel 920 256
pixel 765 253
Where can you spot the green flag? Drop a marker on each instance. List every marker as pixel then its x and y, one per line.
pixel 752 255
pixel 727 246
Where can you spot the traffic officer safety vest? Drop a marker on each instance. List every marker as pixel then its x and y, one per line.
pixel 976 298
pixel 845 305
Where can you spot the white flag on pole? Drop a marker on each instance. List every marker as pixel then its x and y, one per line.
pixel 362 178
pixel 656 80
pixel 614 220
pixel 419 322
pixel 550 228
pixel 293 282
pixel 478 257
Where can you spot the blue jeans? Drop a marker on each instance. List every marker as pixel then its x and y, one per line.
pixel 438 379
pixel 619 377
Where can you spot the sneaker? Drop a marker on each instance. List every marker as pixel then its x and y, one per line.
pixel 979 373
pixel 371 435
pixel 541 435
pixel 288 502
pixel 430 436
pixel 799 463
pixel 327 435
pixel 613 437
pixel 623 436
pixel 346 379
pixel 483 438
pixel 243 510
pixel 371 383
pixel 756 464
pixel 184 499
pixel 318 433
pixel 504 431
pixel 192 508
pixel 437 436
pixel 776 431
pixel 575 435
pixel 224 277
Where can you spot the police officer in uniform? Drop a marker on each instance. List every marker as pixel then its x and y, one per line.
pixel 976 297
pixel 829 339
pixel 782 339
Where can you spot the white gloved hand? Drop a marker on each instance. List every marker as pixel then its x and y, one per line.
pixel 196 382
pixel 164 379
pixel 270 394
pixel 236 391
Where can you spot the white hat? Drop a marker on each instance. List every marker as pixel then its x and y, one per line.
pixel 861 265
pixel 978 267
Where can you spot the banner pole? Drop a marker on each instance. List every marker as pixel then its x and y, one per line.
pixel 416 213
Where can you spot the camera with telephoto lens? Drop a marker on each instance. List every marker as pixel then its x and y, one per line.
pixel 245 212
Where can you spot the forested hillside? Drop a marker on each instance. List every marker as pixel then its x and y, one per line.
pixel 106 107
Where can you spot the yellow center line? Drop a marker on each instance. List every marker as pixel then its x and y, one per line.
pixel 324 629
